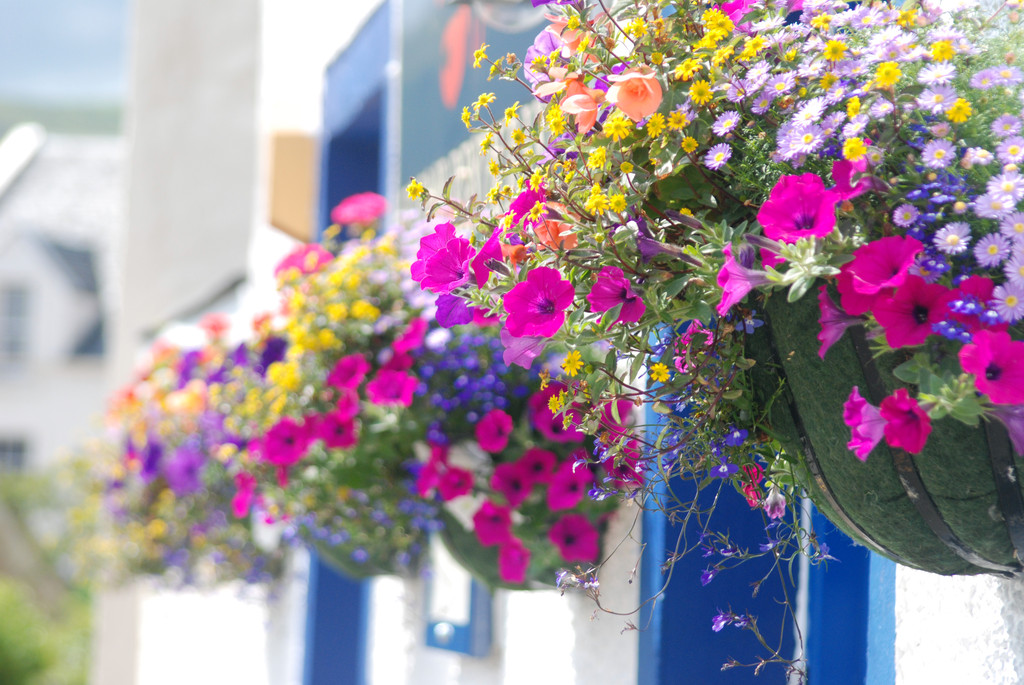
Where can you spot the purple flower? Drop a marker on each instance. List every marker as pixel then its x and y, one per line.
pixel 718 156
pixel 183 470
pixel 905 215
pixel 1011 150
pixel 708 575
pixel 521 351
pixel 736 281
pixel 953 238
pixel 1012 416
pixel 775 503
pixel 724 469
pixel 866 424
pixel 536 307
pixel 452 310
pixel 1006 125
pixel 725 123
pixel 991 250
pixel 1008 301
pixel 833 320
pixel 612 289
pixel 937 154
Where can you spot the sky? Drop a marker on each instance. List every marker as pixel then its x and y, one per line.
pixel 63 51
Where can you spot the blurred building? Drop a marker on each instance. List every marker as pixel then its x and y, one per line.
pixel 60 199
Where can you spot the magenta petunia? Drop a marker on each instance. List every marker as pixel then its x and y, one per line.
pixel 442 262
pixel 907 316
pixel 553 427
pixel 513 482
pixel 491 251
pixel 799 207
pixel 853 302
pixel 241 503
pixel 492 524
pixel 397 361
pixel 906 425
pixel 493 431
pixel 866 424
pixel 513 561
pixel 536 307
pixel 569 485
pixel 523 204
pixel 454 482
pixel 412 337
pixel 348 372
pixel 538 464
pixel 390 388
pixel 736 281
pixel 337 430
pixel 626 469
pixel 833 321
pixel 576 538
pixel 429 475
pixel 612 289
pixel 843 172
pixel 882 264
pixel 997 364
pixel 285 443
pixel 348 403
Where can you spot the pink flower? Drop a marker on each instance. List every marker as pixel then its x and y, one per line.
pixel 612 289
pixel 512 482
pixel 853 302
pixel 628 472
pixel 906 424
pixel 493 431
pixel 491 251
pixel 452 310
pixel 834 321
pixel 550 426
pixel 306 258
pixel 842 173
pixel 522 205
pixel 908 315
pixel 412 337
pixel 1012 417
pixel 865 422
pixel 241 503
pixel 798 207
pixel 775 503
pixel 569 485
pixel 336 429
pixel 521 351
pixel 755 474
pixel 348 372
pixel 538 464
pixel 347 405
pixel 285 443
pixel 997 364
pixel 536 307
pixel 361 208
pixel 442 262
pixel 513 560
pixel 882 264
pixel 454 482
pixel 429 476
pixel 736 281
pixel 390 388
pixel 398 361
pixel 979 288
pixel 576 538
pixel 736 10
pixel 637 92
pixel 492 524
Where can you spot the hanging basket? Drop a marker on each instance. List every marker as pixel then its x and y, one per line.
pixel 955 508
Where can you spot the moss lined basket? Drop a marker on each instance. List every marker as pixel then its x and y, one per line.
pixel 955 508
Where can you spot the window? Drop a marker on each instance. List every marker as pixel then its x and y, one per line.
pixel 12 454
pixel 13 325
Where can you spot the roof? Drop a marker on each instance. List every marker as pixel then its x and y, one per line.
pixel 74 262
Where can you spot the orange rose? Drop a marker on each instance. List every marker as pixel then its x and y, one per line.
pixel 636 92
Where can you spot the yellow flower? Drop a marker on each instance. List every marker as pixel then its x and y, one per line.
pixel 484 100
pixel 721 55
pixel 536 178
pixel 659 373
pixel 677 120
pixel 573 23
pixel 700 92
pixel 656 124
pixel 887 74
pixel 555 120
pixel 636 28
pixel 942 51
pixel 573 363
pixel 854 149
pixel 493 167
pixel 686 70
pixel 853 107
pixel 485 144
pixel 545 379
pixel 518 136
pixel 555 402
pixel 959 111
pixel 689 144
pixel 361 309
pixel 536 211
pixel 907 18
pixel 480 55
pixel 828 80
pixel 821 21
pixel 511 113
pixel 156 529
pixel 834 50
pixel 752 46
pixel 415 190
pixel 716 20
pixel 596 159
pixel 597 202
pixel 657 58
pixel 618 126
pixel 466 117
pixel 617 202
pixel 626 168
